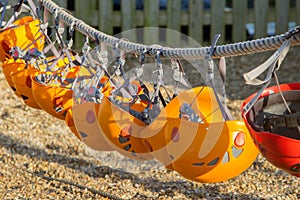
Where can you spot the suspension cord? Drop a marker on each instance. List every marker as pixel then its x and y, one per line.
pixel 228 50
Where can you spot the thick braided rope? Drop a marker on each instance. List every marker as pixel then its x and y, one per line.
pixel 228 50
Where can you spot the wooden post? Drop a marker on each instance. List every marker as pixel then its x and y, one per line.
pixel 83 11
pixel 128 19
pixel 239 15
pixel 261 23
pixel 217 19
pixel 298 12
pixel 282 18
pixel 105 16
pixel 173 23
pixel 151 17
pixel 61 3
pixel 196 20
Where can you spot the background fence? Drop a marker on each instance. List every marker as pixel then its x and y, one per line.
pixel 235 20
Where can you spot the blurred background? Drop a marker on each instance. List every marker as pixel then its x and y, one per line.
pixel 235 20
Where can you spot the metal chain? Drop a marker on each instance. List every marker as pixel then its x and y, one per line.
pixel 228 50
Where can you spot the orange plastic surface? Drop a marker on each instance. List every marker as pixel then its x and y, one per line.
pixel 22 82
pixel 25 34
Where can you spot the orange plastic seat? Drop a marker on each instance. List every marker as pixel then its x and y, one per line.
pixel 25 34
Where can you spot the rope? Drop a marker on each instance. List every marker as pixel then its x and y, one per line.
pixel 229 50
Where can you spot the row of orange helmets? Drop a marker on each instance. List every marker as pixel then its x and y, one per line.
pixel 188 133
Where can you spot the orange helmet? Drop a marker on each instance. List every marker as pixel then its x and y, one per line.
pixel 21 78
pixel 233 152
pixel 22 82
pixel 25 34
pixel 121 129
pixel 9 67
pixel 208 145
pixel 12 65
pixel 154 135
pixel 70 123
pixel 53 97
pixel 85 120
pixel 53 90
pixel 85 110
pixel 211 147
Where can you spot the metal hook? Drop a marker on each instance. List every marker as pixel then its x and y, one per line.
pixel 143 56
pixel 85 46
pixel 213 45
pixel 85 49
pixel 139 70
pixel 120 62
pixel 71 34
pixel 157 55
pixel 208 57
pixel 4 4
pixel 18 6
pixel 210 77
pixel 292 32
pixel 58 30
pixel 39 11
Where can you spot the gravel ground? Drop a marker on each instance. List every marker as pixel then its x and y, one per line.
pixel 41 159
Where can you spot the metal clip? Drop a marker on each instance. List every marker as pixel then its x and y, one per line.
pixel 292 32
pixel 188 113
pixel 71 33
pixel 17 52
pixel 177 73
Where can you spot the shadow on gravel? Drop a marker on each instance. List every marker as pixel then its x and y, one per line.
pixel 169 188
pixel 87 167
